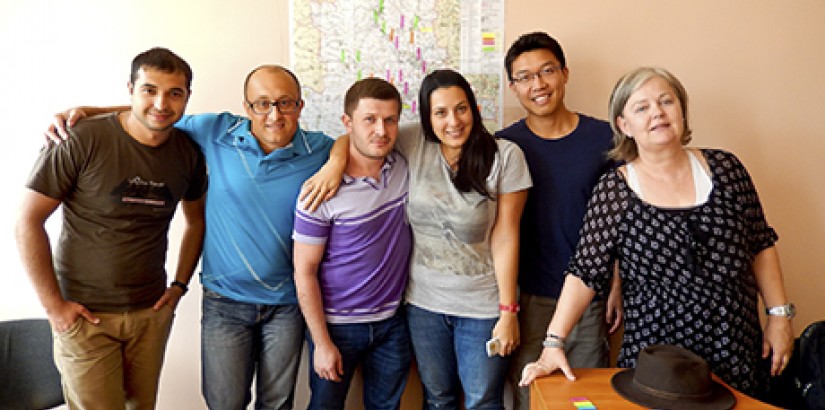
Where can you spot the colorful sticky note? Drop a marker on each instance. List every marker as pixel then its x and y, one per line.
pixel 582 403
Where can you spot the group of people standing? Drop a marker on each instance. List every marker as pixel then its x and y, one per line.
pixel 436 242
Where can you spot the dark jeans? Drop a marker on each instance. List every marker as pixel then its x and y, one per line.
pixel 381 348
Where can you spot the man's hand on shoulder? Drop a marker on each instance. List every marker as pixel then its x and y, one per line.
pixel 62 121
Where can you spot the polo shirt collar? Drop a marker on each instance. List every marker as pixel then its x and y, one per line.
pixel 240 136
pixel 385 171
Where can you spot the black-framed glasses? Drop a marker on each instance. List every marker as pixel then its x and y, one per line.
pixel 547 72
pixel 264 107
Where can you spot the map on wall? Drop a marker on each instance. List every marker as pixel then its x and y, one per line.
pixel 335 43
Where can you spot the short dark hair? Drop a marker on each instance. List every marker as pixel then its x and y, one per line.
pixel 161 59
pixel 537 40
pixel 479 151
pixel 370 88
pixel 272 68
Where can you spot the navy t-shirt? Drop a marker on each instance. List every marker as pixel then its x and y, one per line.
pixel 564 172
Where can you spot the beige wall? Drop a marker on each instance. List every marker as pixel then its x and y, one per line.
pixel 751 68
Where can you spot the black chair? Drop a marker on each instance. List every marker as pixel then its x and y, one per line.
pixel 28 377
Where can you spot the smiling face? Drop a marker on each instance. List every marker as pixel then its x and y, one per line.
pixel 158 101
pixel 544 94
pixel 274 130
pixel 653 116
pixel 373 128
pixel 451 117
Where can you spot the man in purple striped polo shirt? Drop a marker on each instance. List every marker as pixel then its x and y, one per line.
pixel 352 260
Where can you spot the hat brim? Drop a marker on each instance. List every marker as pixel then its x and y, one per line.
pixel 720 398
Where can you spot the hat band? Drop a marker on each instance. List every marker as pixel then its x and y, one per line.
pixel 666 394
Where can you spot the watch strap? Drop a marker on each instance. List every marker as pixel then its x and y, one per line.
pixel 180 285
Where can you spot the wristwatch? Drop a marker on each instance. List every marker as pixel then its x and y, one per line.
pixel 788 310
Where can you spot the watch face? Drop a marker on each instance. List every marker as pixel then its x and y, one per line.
pixel 788 310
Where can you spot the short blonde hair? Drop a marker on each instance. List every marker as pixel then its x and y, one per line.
pixel 624 148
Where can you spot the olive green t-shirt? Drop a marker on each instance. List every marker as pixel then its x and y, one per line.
pixel 118 197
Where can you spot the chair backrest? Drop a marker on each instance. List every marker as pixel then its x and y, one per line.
pixel 28 377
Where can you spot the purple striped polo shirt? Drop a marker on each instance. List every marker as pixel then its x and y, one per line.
pixel 365 267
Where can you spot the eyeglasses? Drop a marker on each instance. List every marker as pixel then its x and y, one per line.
pixel 546 73
pixel 264 107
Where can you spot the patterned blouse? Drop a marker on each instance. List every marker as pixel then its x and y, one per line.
pixel 687 275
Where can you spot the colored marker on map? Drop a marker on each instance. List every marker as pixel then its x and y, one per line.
pixel 412 36
pixel 413 107
pixel 389 78
pixel 375 15
pixel 418 53
pixel 343 56
pixel 415 22
pixel 396 43
pixel 358 55
pixel 358 76
pixel 402 21
pixel 406 88
pixel 488 42
pixel 424 67
pixel 392 34
pixel 381 6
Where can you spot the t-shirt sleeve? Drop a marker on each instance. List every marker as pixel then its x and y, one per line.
pixel 311 227
pixel 515 175
pixel 200 180
pixel 595 253
pixel 58 167
pixel 410 138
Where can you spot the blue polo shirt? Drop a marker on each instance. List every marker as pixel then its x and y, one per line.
pixel 250 206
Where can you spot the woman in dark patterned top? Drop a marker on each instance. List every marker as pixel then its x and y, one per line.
pixel 691 241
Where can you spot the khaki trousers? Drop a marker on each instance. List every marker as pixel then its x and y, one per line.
pixel 116 363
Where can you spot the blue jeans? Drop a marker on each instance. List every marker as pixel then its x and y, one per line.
pixel 383 350
pixel 451 357
pixel 239 340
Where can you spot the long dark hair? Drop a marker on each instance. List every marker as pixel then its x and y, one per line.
pixel 479 151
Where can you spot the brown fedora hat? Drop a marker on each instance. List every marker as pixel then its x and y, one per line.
pixel 673 378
